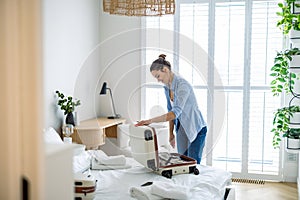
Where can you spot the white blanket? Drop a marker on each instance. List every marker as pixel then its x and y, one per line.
pixel 170 190
pixel 116 184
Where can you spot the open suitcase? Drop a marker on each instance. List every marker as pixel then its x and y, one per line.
pixel 143 142
pixel 85 186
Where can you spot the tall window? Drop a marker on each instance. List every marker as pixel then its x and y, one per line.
pixel 225 49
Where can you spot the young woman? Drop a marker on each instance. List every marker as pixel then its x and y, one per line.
pixel 183 112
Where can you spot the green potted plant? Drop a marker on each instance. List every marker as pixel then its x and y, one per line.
pixel 281 123
pixel 293 138
pixel 288 20
pixel 67 104
pixel 283 77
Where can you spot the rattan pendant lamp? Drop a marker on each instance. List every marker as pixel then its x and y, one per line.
pixel 139 7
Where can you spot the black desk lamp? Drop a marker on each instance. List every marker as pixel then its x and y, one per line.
pixel 102 92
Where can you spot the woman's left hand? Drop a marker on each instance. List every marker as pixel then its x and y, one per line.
pixel 172 140
pixel 143 122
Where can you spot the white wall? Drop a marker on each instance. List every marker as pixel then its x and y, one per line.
pixel 118 55
pixel 121 43
pixel 84 47
pixel 70 32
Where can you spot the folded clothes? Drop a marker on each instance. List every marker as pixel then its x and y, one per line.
pixel 95 165
pixel 169 190
pixel 104 159
pixel 143 193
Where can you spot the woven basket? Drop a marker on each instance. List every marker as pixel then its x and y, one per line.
pixel 139 7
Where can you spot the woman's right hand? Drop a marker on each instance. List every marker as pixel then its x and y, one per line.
pixel 143 122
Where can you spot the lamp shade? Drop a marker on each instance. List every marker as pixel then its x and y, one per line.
pixel 102 92
pixel 103 89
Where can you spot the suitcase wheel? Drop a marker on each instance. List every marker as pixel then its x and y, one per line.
pixel 196 171
pixel 167 174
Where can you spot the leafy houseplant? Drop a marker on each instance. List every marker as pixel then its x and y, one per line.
pixel 288 19
pixel 283 78
pixel 67 104
pixel 281 123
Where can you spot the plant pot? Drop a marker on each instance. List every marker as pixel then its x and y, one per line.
pixel 295 62
pixel 76 119
pixel 294 36
pixel 295 120
pixel 292 143
pixel 70 119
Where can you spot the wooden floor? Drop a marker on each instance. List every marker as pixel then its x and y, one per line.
pixel 267 191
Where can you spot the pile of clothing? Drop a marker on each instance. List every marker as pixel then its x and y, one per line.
pixel 102 161
pixel 166 158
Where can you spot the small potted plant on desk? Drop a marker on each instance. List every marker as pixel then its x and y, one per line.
pixel 67 104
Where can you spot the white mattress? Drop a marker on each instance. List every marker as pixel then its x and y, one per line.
pixel 115 184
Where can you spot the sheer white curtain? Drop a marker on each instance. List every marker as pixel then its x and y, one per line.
pixel 225 49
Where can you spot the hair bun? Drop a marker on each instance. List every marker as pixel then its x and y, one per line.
pixel 163 56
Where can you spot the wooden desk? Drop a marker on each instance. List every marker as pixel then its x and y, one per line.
pixel 92 132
